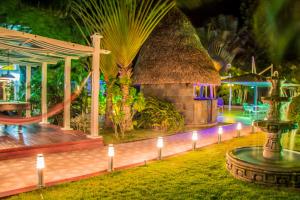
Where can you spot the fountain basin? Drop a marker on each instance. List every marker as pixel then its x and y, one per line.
pixel 248 164
pixel 275 126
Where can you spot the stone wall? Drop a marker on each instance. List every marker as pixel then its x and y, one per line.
pixel 196 112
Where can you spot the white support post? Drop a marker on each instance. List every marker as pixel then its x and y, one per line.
pixel 28 89
pixel 95 86
pixel 230 97
pixel 215 92
pixel 255 98
pixel 67 94
pixel 44 94
pixel 201 91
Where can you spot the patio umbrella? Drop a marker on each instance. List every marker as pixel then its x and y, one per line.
pixel 251 79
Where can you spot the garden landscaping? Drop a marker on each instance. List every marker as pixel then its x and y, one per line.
pixel 149 99
pixel 194 175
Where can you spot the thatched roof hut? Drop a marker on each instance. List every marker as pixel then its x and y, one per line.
pixel 174 54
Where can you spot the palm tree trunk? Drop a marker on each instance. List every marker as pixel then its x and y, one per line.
pixel 125 75
pixel 108 109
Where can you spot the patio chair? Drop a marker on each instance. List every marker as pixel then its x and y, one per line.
pixel 247 108
pixel 220 103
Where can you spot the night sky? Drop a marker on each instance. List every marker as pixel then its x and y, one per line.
pixel 200 15
pixel 199 11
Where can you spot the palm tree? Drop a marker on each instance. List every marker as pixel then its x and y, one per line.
pixel 222 39
pixel 276 28
pixel 109 69
pixel 125 26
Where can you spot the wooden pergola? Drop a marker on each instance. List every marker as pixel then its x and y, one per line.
pixel 32 50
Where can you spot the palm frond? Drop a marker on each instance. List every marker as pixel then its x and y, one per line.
pixel 108 67
pixel 221 39
pixel 125 25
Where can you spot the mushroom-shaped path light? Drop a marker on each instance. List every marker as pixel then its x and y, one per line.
pixel 40 165
pixel 220 133
pixel 160 145
pixel 239 128
pixel 194 139
pixel 111 154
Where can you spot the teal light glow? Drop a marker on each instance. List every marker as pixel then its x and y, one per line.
pixel 238 115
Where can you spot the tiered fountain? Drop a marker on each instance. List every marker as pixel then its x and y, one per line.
pixel 270 164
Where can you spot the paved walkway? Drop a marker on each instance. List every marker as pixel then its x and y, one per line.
pixel 16 174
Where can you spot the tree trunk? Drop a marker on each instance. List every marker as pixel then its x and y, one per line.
pixel 108 110
pixel 125 75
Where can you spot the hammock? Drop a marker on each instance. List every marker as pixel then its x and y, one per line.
pixel 53 111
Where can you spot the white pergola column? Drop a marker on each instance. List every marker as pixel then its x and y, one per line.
pixel 230 95
pixel 95 86
pixel 28 89
pixel 44 94
pixel 67 94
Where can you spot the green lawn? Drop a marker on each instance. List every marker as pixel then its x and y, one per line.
pixel 287 140
pixel 194 175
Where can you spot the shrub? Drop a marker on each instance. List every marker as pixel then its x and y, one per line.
pixel 81 122
pixel 294 110
pixel 160 114
pixel 135 100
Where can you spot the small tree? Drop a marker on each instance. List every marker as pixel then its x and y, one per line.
pixel 125 26
pixel 109 70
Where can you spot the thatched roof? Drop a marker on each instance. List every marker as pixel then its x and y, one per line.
pixel 174 54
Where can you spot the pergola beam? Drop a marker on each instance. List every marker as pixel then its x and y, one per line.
pixel 25 60
pixel 54 42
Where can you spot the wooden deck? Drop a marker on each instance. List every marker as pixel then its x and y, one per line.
pixel 27 140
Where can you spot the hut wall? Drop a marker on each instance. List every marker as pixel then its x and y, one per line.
pixel 196 112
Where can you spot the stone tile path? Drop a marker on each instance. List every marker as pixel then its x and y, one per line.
pixel 16 174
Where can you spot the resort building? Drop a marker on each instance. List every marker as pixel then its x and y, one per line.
pixel 174 66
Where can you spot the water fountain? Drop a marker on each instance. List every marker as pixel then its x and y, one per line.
pixel 270 164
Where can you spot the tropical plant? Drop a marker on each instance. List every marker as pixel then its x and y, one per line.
pixel 137 102
pixel 117 116
pixel 294 110
pixel 81 122
pixel 222 39
pixel 160 114
pixel 9 90
pixel 276 27
pixel 109 69
pixel 125 25
pixel 194 4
